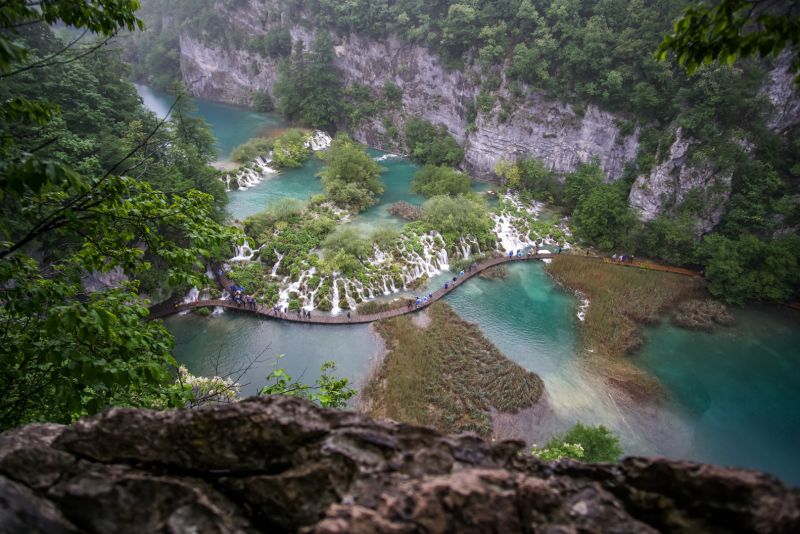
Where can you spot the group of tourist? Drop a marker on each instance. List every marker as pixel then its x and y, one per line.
pixel 622 258
pixel 241 298
pixel 283 313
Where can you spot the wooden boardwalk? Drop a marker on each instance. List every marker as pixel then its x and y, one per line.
pixel 172 307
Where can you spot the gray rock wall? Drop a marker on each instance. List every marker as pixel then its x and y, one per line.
pixel 547 130
pixel 281 464
pixel 669 183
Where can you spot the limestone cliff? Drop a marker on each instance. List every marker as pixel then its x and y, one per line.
pixel 552 131
pixel 548 130
pixel 281 464
pixel 671 182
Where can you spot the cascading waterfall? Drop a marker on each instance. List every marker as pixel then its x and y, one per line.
pixel 507 226
pixel 319 141
pixel 275 267
pixel 192 296
pixel 351 302
pixel 244 252
pixel 335 296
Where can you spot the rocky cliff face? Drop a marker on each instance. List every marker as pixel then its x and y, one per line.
pixel 283 465
pixel 547 130
pixel 671 182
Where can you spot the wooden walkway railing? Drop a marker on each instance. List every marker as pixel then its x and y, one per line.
pixel 171 307
pixel 174 306
pixel 653 267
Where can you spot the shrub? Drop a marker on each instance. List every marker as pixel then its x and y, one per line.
pixel 429 144
pixel 432 180
pixel 392 92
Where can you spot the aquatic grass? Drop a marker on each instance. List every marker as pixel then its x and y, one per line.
pixel 447 375
pixel 374 306
pixel 622 300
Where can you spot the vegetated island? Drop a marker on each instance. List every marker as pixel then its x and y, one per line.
pixel 446 375
pixel 621 301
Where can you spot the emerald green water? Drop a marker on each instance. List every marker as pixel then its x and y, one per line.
pixel 303 183
pixel 733 394
pixel 231 125
pixel 220 345
pixel 737 388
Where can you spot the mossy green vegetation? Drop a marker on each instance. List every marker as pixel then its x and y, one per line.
pixel 446 375
pixel 581 442
pixel 289 149
pixel 455 217
pixel 434 180
pixel 350 177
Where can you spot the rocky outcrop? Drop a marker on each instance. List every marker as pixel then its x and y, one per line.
pixel 665 188
pixel 783 94
pixel 547 130
pixel 281 464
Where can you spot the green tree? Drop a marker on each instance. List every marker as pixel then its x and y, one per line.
pixel 307 88
pixel 350 177
pixel 432 180
pixel 603 218
pixel 79 161
pixel 349 240
pixel 459 216
pixel 327 391
pixel 729 29
pixel 748 268
pixel 581 442
pixel 429 144
pixel 278 42
pixel 579 184
pixel 670 238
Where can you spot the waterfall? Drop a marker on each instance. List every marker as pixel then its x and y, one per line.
pixel 319 141
pixel 192 296
pixel 244 252
pixel 335 296
pixel 350 300
pixel 274 272
pixel 311 294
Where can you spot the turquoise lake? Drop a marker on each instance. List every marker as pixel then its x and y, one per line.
pixel 232 125
pixel 733 394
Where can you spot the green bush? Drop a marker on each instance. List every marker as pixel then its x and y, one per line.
pixel 251 149
pixel 351 178
pixel 278 42
pixel 429 144
pixel 432 180
pixel 392 92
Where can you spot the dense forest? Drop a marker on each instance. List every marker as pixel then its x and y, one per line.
pixel 95 190
pixel 584 52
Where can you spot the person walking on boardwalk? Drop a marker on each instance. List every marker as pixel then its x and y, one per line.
pixel 348 316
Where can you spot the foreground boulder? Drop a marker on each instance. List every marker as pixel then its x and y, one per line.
pixel 282 464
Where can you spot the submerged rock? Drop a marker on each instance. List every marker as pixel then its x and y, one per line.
pixel 405 210
pixel 698 314
pixel 283 464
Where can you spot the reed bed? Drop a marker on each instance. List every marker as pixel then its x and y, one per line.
pixel 447 375
pixel 372 307
pixel 622 300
